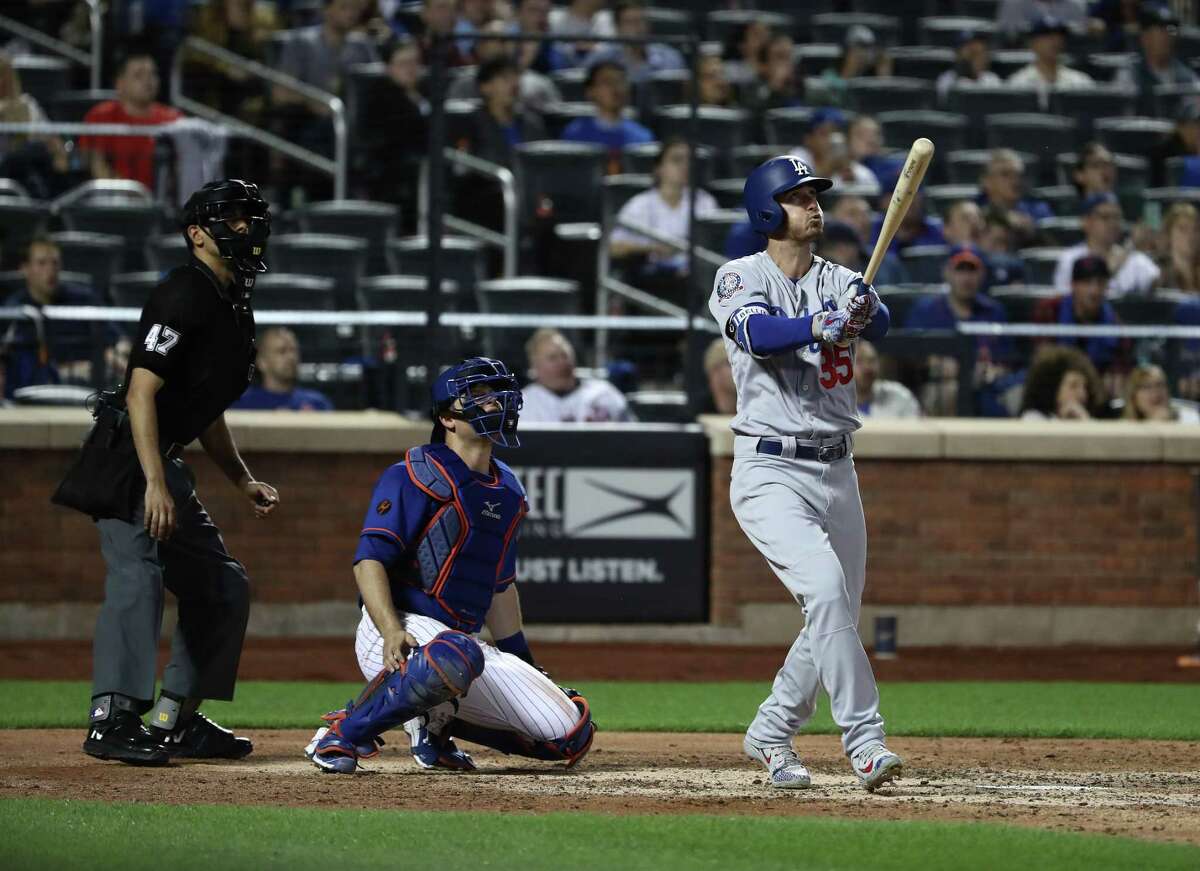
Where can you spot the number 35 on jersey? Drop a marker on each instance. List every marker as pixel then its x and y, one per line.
pixel 837 366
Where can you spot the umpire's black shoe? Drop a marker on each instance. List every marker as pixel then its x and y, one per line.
pixel 201 738
pixel 124 738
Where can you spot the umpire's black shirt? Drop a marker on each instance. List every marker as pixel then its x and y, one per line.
pixel 200 343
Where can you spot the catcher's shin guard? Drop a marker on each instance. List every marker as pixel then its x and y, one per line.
pixel 437 672
pixel 570 748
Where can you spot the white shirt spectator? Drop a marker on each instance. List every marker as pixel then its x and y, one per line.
pixel 890 399
pixel 650 210
pixel 563 23
pixel 1066 79
pixel 862 175
pixel 1137 274
pixel 950 78
pixel 593 401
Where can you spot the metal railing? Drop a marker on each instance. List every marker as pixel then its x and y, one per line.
pixel 506 240
pixel 337 168
pixel 90 59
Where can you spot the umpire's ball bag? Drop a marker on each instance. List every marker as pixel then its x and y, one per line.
pixel 105 480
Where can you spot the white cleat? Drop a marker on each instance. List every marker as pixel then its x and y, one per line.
pixel 782 764
pixel 876 765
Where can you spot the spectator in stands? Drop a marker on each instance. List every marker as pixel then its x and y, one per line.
pixel 1002 185
pixel 1062 384
pixel 1117 21
pixel 639 60
pixel 917 228
pixel 861 56
pixel 779 83
pixel 437 17
pixel 130 157
pixel 46 351
pixel 40 164
pixel 473 16
pixel 533 16
pixel 1184 141
pixel 664 208
pixel 855 212
pixel 879 397
pixel 744 49
pixel 825 149
pixel 722 392
pixel 1148 399
pixel 1156 63
pixel 535 91
pixel 999 247
pixel 1103 227
pixel 1095 170
pixel 245 28
pixel 396 136
pixel 713 88
pixel 840 244
pixel 963 224
pixel 972 65
pixel 321 55
pixel 1014 18
pixel 864 140
pixel 961 299
pixel 582 20
pixel 1047 39
pixel 1085 303
pixel 1179 259
pixel 608 88
pixel 278 366
pixel 557 394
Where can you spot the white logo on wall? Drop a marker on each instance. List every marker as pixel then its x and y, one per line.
pixel 629 503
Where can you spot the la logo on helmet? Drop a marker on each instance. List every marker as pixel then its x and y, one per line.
pixel 799 166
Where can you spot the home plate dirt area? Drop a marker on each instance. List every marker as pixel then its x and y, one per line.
pixel 1142 789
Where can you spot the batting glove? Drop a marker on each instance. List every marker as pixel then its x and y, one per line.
pixel 864 295
pixel 830 327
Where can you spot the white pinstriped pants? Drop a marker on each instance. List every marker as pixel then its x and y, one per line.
pixel 510 694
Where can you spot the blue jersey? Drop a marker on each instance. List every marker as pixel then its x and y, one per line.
pixel 447 535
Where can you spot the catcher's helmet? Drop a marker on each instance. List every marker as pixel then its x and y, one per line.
pixel 219 202
pixel 778 175
pixel 500 425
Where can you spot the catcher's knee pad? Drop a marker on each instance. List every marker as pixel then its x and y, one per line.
pixel 570 748
pixel 437 672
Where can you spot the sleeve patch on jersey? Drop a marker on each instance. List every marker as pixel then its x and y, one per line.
pixel 384 506
pixel 729 286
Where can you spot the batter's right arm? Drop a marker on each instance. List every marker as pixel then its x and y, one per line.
pixel 376 592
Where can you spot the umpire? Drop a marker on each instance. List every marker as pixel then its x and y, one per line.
pixel 193 356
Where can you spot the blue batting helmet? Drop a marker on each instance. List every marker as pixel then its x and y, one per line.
pixel 777 176
pixel 498 425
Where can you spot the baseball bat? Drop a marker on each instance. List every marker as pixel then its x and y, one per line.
pixel 906 190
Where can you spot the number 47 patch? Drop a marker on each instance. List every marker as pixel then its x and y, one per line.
pixel 161 339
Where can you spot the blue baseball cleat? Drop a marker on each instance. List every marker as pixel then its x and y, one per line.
pixel 431 750
pixel 333 754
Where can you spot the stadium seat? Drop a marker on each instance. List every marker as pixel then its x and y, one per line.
pixel 1132 135
pixel 944 30
pixel 925 262
pixel 721 24
pixel 1087 104
pixel 669 22
pixel 639 159
pixel 100 255
pixel 947 130
pixel 787 127
pixel 921 61
pixel 832 26
pixel 11 281
pixel 165 252
pixel 1168 97
pixel 1040 264
pixel 282 291
pixel 41 76
pixel 816 55
pixel 1005 62
pixel 524 295
pixel 979 102
pixel 659 406
pixel 134 221
pixel 718 128
pixel 620 189
pixel 1050 134
pixel 901 299
pixel 373 222
pixel 360 79
pixel 464 260
pixel 939 197
pixel 871 95
pixel 747 157
pixel 405 293
pixel 712 229
pixel 1061 231
pixel 570 84
pixel 20 220
pixel 966 166
pixel 72 106
pixel 560 181
pixel 341 258
pixel 1020 300
pixel 1165 197
pixel 665 88
pixel 1134 309
pixel 1062 198
pixel 727 191
pixel 132 289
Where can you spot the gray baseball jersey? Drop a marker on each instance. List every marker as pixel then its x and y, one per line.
pixel 808 393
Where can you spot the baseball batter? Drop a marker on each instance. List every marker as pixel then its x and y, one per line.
pixel 789 319
pixel 436 561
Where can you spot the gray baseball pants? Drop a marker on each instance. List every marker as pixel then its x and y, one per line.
pixel 213 596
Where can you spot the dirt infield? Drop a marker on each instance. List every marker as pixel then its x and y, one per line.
pixel 333 659
pixel 1144 789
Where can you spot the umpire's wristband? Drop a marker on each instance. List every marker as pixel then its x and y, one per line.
pixel 517 646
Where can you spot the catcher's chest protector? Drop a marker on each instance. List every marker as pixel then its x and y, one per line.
pixel 461 553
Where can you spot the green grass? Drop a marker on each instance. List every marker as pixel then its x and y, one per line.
pixel 74 834
pixel 1067 710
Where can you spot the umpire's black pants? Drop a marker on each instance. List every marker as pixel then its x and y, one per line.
pixel 213 596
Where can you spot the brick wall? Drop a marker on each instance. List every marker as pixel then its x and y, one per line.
pixel 980 533
pixel 941 532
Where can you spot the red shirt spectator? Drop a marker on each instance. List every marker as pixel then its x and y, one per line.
pixel 129 157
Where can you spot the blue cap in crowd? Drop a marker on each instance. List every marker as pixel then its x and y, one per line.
pixel 826 115
pixel 1091 202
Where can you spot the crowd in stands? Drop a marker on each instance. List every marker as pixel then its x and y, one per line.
pixel 1036 209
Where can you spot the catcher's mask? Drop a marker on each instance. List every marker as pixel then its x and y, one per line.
pixel 461 382
pixel 217 204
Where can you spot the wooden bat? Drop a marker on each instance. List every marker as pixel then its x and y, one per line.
pixel 906 190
